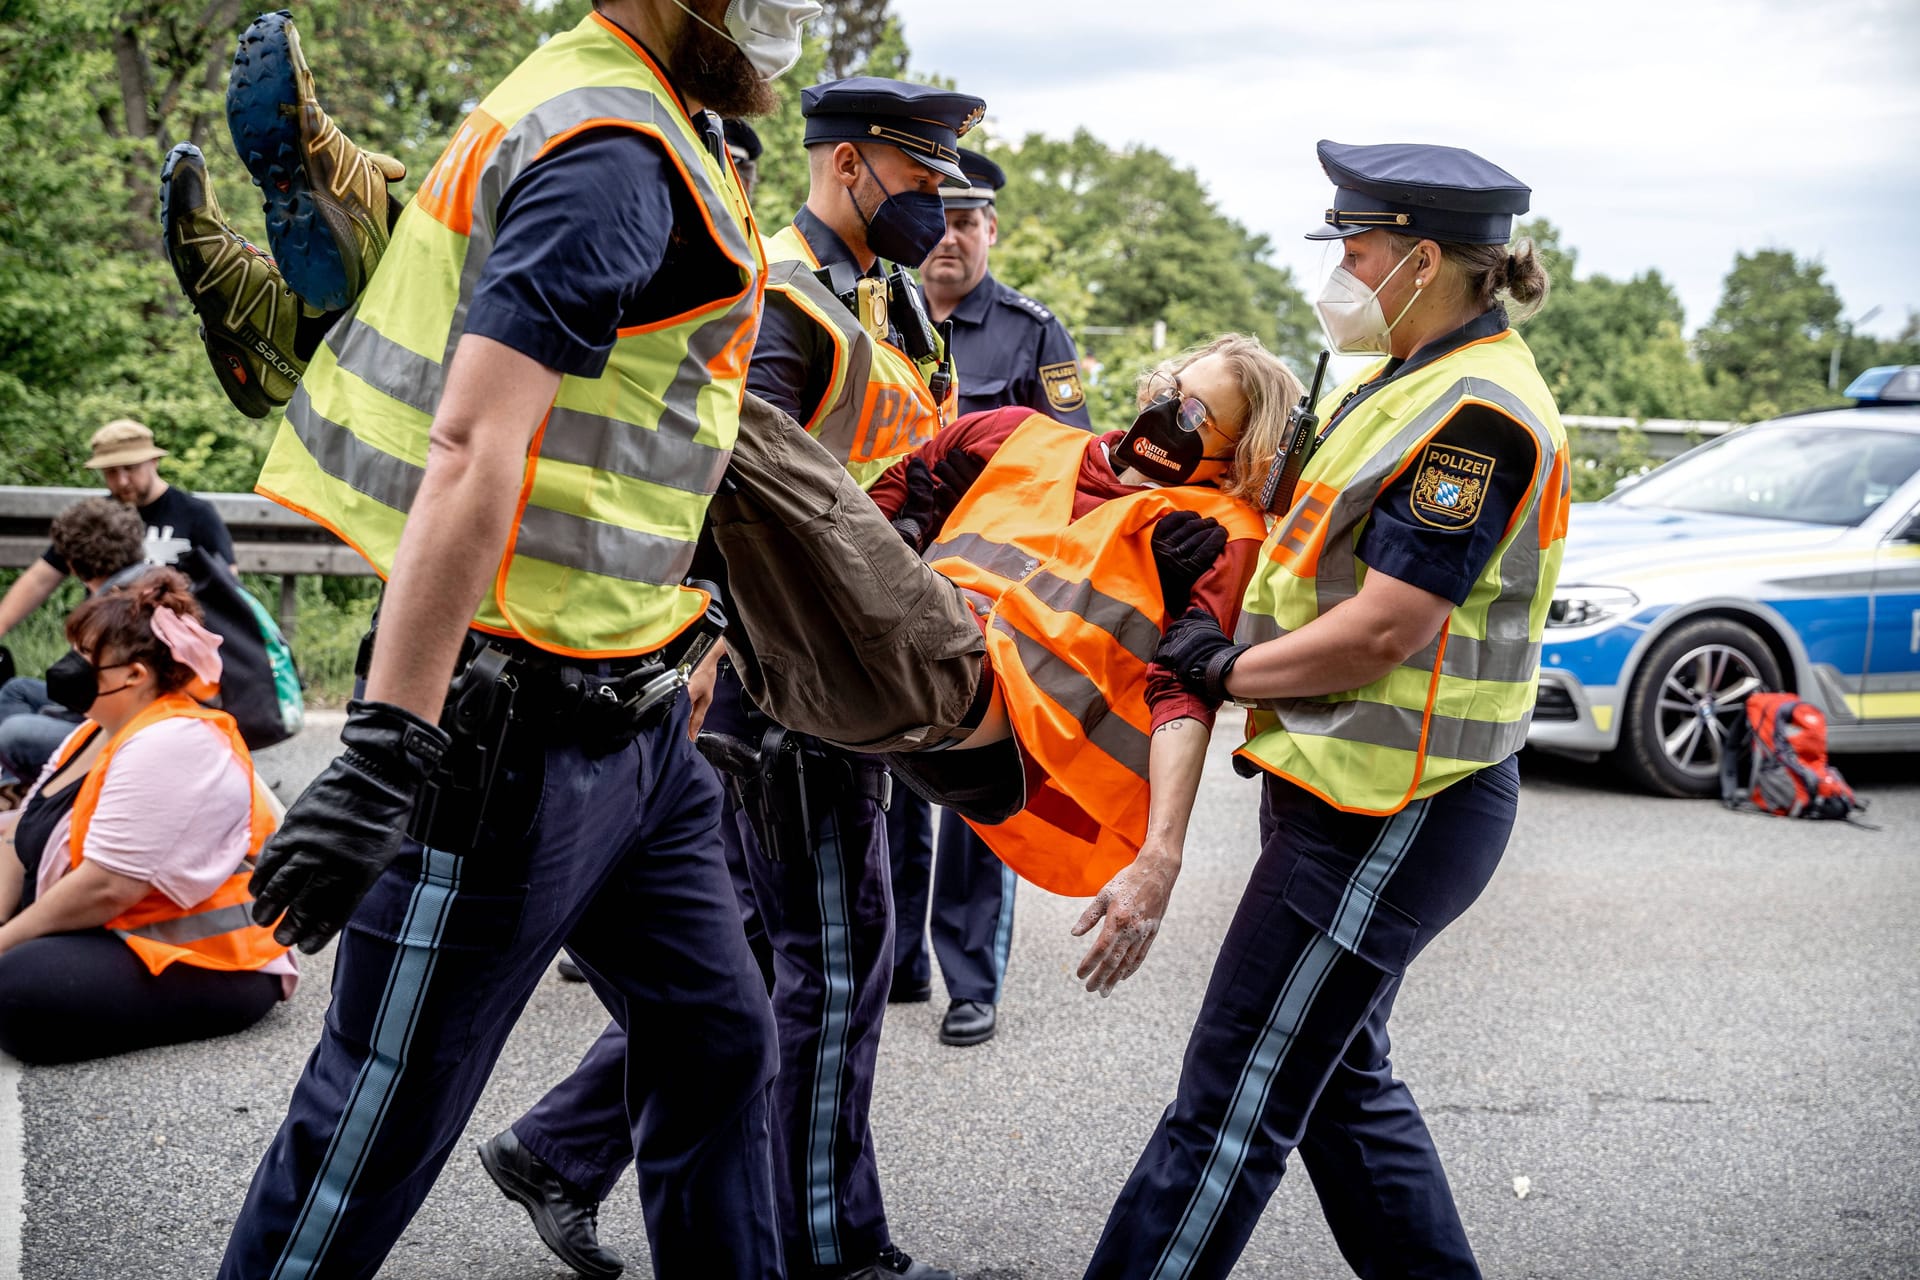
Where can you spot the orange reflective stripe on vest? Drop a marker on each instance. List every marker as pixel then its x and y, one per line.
pixel 1073 616
pixel 218 933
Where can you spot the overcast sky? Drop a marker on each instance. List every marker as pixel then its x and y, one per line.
pixel 1655 133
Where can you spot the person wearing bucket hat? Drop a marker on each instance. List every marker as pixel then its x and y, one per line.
pixel 1390 650
pixel 124 453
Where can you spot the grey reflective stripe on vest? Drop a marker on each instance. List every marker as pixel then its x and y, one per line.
pixel 1466 657
pixel 1131 629
pixel 337 451
pixel 181 930
pixel 1381 725
pixel 1080 698
pixel 837 426
pixel 612 550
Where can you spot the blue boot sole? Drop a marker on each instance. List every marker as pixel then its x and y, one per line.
pixel 263 113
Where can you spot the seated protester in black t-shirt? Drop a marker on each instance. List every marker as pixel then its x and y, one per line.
pixel 129 465
pixel 97 538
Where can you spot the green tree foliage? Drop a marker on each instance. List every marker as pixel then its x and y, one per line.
pixel 1611 348
pixel 1767 348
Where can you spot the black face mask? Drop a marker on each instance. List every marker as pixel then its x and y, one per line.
pixel 906 226
pixel 74 683
pixel 1161 447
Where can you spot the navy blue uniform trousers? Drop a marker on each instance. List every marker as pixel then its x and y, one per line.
pixel 828 928
pixel 970 892
pixel 1290 1047
pixel 618 857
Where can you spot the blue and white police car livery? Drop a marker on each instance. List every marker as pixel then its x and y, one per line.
pixel 1785 555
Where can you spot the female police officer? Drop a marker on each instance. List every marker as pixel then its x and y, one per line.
pixel 1397 608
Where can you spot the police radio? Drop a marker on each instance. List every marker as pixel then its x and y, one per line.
pixel 1276 496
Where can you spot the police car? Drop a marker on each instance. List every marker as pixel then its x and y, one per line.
pixel 1785 555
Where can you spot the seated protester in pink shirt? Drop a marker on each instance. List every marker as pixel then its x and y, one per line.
pixel 123 881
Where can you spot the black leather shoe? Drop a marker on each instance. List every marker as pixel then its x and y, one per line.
pixel 568 1221
pixel 906 991
pixel 569 971
pixel 895 1265
pixel 967 1022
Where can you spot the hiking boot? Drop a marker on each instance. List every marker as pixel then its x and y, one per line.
pixel 327 205
pixel 249 319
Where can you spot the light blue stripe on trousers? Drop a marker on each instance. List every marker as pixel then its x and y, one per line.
pixel 829 1068
pixel 420 934
pixel 1290 1009
pixel 1003 928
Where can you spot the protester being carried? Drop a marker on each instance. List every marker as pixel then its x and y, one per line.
pixel 96 538
pixel 1075 758
pixel 123 881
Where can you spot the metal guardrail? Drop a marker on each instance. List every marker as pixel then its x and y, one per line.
pixel 267 538
pixel 1665 437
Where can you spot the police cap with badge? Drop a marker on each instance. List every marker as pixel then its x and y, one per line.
pixel 923 120
pixel 1435 193
pixel 984 180
pixel 926 123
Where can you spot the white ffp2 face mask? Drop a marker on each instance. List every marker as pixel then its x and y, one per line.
pixel 1350 312
pixel 768 33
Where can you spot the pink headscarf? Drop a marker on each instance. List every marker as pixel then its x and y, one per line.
pixel 193 647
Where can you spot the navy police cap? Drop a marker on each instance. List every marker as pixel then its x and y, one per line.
pixel 742 141
pixel 923 120
pixel 984 178
pixel 1438 193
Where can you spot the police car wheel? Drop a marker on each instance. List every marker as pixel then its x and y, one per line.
pixel 1689 693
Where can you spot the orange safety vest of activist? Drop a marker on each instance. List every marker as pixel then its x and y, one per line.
pixel 218 933
pixel 1072 614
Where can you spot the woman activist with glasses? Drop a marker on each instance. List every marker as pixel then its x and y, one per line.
pixel 1073 552
pixel 123 882
pixel 1395 613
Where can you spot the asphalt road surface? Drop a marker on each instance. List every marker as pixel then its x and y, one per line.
pixel 1695 1034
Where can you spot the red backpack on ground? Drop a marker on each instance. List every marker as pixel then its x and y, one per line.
pixel 1776 761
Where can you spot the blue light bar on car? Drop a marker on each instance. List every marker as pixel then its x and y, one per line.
pixel 1887 384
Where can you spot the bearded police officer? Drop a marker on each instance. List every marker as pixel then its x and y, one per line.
pixel 1398 607
pixel 1010 350
pixel 565 310
pixel 843 350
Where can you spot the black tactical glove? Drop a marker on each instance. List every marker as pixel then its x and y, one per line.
pixel 956 473
pixel 916 518
pixel 346 826
pixel 1185 545
pixel 1197 651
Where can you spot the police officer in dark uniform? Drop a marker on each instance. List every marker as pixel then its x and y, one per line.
pixel 817 889
pixel 1397 609
pixel 1010 350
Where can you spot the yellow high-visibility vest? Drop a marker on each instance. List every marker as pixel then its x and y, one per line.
pixel 1463 702
pixel 618 475
pixel 876 407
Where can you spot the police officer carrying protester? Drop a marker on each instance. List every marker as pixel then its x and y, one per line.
pixel 1010 350
pixel 1396 614
pixel 520 423
pixel 842 351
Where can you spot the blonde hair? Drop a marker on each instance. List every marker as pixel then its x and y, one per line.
pixel 1270 389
